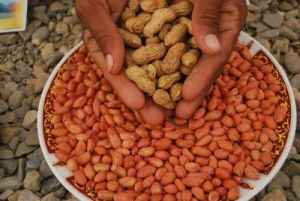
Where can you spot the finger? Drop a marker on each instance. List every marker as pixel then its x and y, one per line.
pixel 96 16
pixel 186 108
pixel 126 90
pixel 152 113
pixel 205 24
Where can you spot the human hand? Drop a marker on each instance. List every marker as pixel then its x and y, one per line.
pixel 216 26
pixel 106 46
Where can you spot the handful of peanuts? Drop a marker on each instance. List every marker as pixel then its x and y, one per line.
pixel 160 48
pixel 114 153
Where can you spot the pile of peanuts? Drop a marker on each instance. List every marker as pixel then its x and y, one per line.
pixel 160 48
pixel 114 153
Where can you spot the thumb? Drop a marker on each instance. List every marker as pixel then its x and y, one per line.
pixel 95 16
pixel 205 24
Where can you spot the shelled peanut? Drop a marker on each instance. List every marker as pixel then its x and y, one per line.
pixel 115 154
pixel 155 32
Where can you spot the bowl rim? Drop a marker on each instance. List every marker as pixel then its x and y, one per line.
pixel 248 196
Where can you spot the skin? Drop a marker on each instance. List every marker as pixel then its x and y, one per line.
pixel 221 18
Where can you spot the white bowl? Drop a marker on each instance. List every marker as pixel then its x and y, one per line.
pixel 62 173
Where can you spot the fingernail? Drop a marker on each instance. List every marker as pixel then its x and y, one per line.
pixel 109 62
pixel 212 42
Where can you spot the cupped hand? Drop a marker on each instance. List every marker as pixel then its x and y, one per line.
pixel 216 26
pixel 106 46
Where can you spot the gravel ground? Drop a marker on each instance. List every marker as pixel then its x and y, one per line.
pixel 27 58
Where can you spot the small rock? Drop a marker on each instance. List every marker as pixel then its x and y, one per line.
pixel 282 180
pixel 54 58
pixel 45 170
pixel 8 133
pixel 26 195
pixel 268 34
pixel 60 192
pixel 61 28
pixel 32 138
pixel 7 89
pixel 71 20
pixel 21 168
pixel 32 181
pixel 7 66
pixel 273 20
pixel 47 51
pixel 16 99
pixel 6 153
pixel 291 168
pixel 23 149
pixel 6 194
pixel 290 196
pixel 8 117
pixel 2 173
pixel 14 197
pixel 3 49
pixel 295 81
pixel 34 160
pixel 275 195
pixel 77 30
pixel 39 12
pixel 14 143
pixel 281 45
pixel 8 39
pixel 10 166
pixel 23 69
pixel 26 35
pixel 292 14
pixel 29 119
pixel 39 35
pixel 3 106
pixel 285 6
pixel 293 24
pixel 296 185
pixel 10 183
pixel 57 6
pixel 49 185
pixel 50 197
pixel 288 33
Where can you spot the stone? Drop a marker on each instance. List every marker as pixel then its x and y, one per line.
pixel 26 35
pixel 21 111
pixel 50 197
pixel 8 39
pixel 3 49
pixel 57 6
pixel 295 81
pixel 282 45
pixel 7 89
pixel 34 160
pixel 296 185
pixel 273 20
pixel 49 185
pixel 6 153
pixel 290 196
pixel 10 183
pixel 271 33
pixel 2 173
pixel 282 180
pixel 286 32
pixel 39 84
pixel 71 20
pixel 13 144
pixel 8 133
pixel 292 14
pixel 3 106
pixel 291 168
pixel 14 197
pixel 293 24
pixel 45 170
pixel 39 35
pixel 6 194
pixel 77 30
pixel 29 119
pixel 61 28
pixel 285 6
pixel 32 181
pixel 39 12
pixel 60 192
pixel 24 149
pixel 21 168
pixel 275 195
pixel 32 138
pixel 23 69
pixel 16 99
pixel 10 166
pixel 8 117
pixel 54 58
pixel 7 66
pixel 26 195
pixel 47 51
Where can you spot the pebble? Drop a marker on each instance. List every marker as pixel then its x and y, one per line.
pixel 13 144
pixel 273 20
pixel 275 195
pixel 21 168
pixel 7 89
pixel 291 168
pixel 16 99
pixel 39 13
pixel 60 192
pixel 293 24
pixel 292 14
pixel 50 197
pixel 71 20
pixel 282 180
pixel 23 149
pixel 6 194
pixel 57 6
pixel 29 119
pixel 45 170
pixel 49 185
pixel 285 6
pixel 32 138
pixel 26 35
pixel 2 173
pixel 281 45
pixel 61 28
pixel 296 185
pixel 3 106
pixel 286 32
pixel 9 39
pixel 268 34
pixel 39 35
pixel 6 153
pixel 10 166
pixel 8 133
pixel 295 81
pixel 7 66
pixel 8 117
pixel 10 183
pixel 54 58
pixel 26 195
pixel 32 181
pixel 47 51
pixel 14 197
